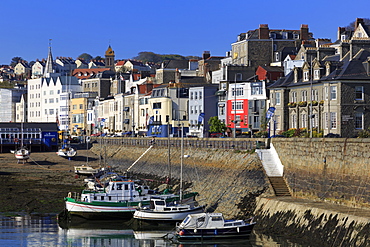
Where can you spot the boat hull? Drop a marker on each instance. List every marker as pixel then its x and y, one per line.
pixel 22 154
pixel 193 234
pixel 67 154
pixel 150 215
pixel 96 211
pixel 112 210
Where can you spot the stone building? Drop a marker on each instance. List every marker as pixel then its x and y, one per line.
pixel 258 47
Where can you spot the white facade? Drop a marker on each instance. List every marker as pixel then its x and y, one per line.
pixel 289 64
pixel 38 69
pixel 44 97
pixel 8 100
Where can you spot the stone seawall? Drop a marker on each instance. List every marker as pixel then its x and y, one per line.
pixel 233 182
pixel 227 180
pixel 317 223
pixel 336 170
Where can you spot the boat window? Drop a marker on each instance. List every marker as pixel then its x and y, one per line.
pixel 126 187
pixel 119 186
pixel 228 224
pixel 112 186
pixel 186 219
pixel 161 203
pixel 102 198
pixel 216 218
pixel 95 197
pixel 201 219
pixel 167 209
pixel 238 224
pixel 109 198
pixel 182 208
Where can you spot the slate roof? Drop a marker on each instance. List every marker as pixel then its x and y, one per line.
pixel 88 72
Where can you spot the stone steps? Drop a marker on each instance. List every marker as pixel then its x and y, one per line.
pixel 280 186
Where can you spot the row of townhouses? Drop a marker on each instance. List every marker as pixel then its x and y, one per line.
pixel 274 79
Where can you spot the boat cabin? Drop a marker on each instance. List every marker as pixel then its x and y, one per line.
pixel 115 190
pixel 203 220
pixel 160 205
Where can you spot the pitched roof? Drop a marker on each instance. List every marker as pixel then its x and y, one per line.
pixel 87 73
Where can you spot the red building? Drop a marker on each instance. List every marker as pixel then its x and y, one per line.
pixel 270 73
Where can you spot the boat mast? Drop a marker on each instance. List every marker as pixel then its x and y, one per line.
pixel 169 155
pixel 22 134
pixel 181 158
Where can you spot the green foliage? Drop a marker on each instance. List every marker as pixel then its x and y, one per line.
pixel 7 84
pixel 302 132
pixel 146 56
pixel 289 133
pixel 86 57
pixel 364 133
pixel 216 125
pixel 14 61
pixel 98 58
pixel 261 134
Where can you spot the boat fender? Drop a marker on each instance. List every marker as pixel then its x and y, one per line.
pixel 237 229
pixel 15 139
pixel 182 232
pixel 195 230
pixel 215 231
pixel 69 195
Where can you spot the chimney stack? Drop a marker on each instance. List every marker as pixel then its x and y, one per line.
pixel 304 32
pixel 206 55
pixel 358 21
pixel 264 31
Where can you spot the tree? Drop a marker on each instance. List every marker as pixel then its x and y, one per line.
pixel 98 58
pixel 216 125
pixel 351 26
pixel 86 57
pixel 15 60
pixel 147 56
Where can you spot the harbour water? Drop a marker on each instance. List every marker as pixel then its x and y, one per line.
pixel 45 231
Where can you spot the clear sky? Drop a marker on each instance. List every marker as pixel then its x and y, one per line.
pixel 185 27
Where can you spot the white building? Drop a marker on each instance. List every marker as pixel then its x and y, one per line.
pixel 8 99
pixel 47 95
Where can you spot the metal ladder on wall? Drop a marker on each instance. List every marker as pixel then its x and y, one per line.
pixel 274 170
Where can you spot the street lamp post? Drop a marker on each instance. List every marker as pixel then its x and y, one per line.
pixel 311 107
pixel 235 106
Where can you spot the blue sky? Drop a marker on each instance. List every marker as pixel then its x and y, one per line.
pixel 185 27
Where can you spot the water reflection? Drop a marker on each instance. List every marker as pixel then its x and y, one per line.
pixel 45 231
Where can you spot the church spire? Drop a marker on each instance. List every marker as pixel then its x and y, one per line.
pixel 49 67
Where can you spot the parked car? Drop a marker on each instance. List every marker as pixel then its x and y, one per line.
pixel 275 136
pixel 332 135
pixel 216 135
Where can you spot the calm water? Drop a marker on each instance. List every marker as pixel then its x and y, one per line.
pixel 45 231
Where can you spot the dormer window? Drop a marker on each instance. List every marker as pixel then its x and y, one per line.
pixel 316 74
pixel 277 57
pixel 295 76
pixel 306 76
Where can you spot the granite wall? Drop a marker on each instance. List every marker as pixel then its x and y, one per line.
pixel 227 180
pixel 331 169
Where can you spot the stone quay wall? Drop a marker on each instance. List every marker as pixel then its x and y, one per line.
pixel 226 180
pixel 329 169
pixel 330 172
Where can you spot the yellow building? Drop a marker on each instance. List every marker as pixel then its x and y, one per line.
pixel 78 108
